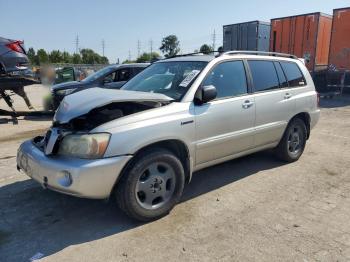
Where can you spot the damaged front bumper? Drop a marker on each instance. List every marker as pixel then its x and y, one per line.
pixel 88 178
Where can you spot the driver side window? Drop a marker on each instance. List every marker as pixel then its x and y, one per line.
pixel 229 79
pixel 109 78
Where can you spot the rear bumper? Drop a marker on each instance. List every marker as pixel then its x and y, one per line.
pixel 314 118
pixel 15 62
pixel 87 178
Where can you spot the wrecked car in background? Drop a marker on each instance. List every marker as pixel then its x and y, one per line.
pixel 141 144
pixel 113 76
pixel 13 58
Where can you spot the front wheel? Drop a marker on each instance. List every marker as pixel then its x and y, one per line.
pixel 151 186
pixel 292 144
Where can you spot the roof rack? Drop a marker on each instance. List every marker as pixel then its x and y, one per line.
pixel 195 53
pixel 259 53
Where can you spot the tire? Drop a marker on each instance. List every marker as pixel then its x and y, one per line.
pixel 151 185
pixel 293 142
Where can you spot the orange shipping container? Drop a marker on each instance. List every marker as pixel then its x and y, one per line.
pixel 306 36
pixel 339 54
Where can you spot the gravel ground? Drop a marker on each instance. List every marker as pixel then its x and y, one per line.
pixel 254 208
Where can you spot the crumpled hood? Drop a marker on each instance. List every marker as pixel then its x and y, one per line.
pixel 81 103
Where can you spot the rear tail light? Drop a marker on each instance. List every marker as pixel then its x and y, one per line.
pixel 16 46
pixel 318 99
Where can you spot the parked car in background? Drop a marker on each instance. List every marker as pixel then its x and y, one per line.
pixel 113 76
pixel 13 58
pixel 68 74
pixel 139 145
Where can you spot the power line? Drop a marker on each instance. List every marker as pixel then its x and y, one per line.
pixel 77 44
pixel 214 40
pixel 103 47
pixel 138 48
pixel 151 45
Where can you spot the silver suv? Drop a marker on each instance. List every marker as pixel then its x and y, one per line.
pixel 142 143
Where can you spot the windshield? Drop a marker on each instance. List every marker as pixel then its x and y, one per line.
pixel 98 74
pixel 169 78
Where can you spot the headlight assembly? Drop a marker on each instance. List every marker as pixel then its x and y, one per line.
pixel 88 146
pixel 65 92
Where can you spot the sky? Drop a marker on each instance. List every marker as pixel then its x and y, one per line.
pixel 121 24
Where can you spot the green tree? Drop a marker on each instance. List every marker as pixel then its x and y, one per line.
pixel 55 56
pixel 76 59
pixel 206 49
pixel 42 56
pixel 87 56
pixel 170 46
pixel 220 49
pixel 104 60
pixel 32 56
pixel 66 57
pixel 127 61
pixel 147 57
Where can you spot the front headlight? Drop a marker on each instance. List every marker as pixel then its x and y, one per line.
pixel 65 92
pixel 88 146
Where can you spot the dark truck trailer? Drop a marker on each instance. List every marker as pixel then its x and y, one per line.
pixel 306 36
pixel 252 36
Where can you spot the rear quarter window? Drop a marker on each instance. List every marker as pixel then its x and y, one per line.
pixel 293 73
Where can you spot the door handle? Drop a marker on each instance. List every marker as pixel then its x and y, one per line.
pixel 287 96
pixel 247 104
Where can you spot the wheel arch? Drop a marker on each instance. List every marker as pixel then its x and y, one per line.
pixel 176 146
pixel 305 117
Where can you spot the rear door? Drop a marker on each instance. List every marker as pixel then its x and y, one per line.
pixel 225 126
pixel 274 104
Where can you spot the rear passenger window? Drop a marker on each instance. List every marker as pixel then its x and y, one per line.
pixel 281 77
pixel 264 75
pixel 138 70
pixel 293 73
pixel 229 79
pixel 123 75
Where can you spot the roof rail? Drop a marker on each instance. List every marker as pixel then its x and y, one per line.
pixel 195 53
pixel 259 53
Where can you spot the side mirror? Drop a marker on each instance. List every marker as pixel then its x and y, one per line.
pixel 205 94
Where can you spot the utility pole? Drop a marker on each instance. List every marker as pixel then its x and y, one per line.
pixel 77 44
pixel 138 48
pixel 214 40
pixel 103 47
pixel 129 56
pixel 151 45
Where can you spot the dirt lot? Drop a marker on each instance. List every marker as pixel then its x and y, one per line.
pixel 250 209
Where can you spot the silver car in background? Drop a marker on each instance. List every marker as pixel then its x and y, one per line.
pixel 13 58
pixel 141 144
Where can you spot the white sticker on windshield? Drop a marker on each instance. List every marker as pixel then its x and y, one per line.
pixel 188 79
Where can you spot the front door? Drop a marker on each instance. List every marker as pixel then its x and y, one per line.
pixel 225 126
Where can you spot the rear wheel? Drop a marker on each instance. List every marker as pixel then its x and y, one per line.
pixel 292 144
pixel 151 186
